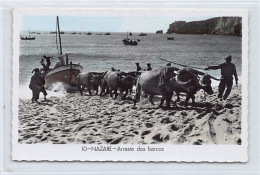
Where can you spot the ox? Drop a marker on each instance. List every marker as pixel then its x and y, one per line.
pixel 189 82
pixel 156 82
pixel 162 81
pixel 89 80
pixel 114 80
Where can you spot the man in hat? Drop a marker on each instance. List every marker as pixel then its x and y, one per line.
pixel 149 67
pixel 228 69
pixel 138 68
pixel 37 85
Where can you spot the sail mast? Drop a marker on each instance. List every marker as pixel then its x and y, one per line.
pixel 59 34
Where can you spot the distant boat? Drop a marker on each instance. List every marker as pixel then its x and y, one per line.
pixel 89 33
pixel 159 32
pixel 73 33
pixel 142 34
pixel 28 37
pixel 129 42
pixel 56 32
pixel 170 38
pixel 108 33
pixel 66 73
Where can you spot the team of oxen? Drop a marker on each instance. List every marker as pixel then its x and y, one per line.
pixel 162 81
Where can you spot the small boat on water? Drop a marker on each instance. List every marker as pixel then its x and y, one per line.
pixel 27 37
pixel 108 33
pixel 66 73
pixel 142 34
pixel 89 33
pixel 130 42
pixel 170 38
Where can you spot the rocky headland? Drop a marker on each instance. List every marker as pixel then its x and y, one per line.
pixel 214 26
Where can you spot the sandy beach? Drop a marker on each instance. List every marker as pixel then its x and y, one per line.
pixel 88 119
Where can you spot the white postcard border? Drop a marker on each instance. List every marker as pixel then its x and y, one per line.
pixel 74 152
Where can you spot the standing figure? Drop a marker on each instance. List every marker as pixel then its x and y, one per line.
pixel 138 68
pixel 46 67
pixel 61 62
pixel 37 85
pixel 48 62
pixel 149 67
pixel 228 69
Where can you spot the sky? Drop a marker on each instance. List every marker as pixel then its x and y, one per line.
pixel 149 24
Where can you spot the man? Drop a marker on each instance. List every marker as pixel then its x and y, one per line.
pixel 48 62
pixel 37 85
pixel 46 67
pixel 60 63
pixel 228 69
pixel 149 67
pixel 138 68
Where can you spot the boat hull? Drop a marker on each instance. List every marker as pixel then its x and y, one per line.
pixel 65 74
pixel 129 42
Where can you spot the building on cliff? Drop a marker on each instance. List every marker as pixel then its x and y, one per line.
pixel 214 26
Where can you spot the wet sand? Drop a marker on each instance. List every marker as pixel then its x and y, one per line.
pixel 93 120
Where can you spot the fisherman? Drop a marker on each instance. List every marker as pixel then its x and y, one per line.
pixel 48 62
pixel 149 67
pixel 228 69
pixel 46 67
pixel 168 64
pixel 37 85
pixel 138 68
pixel 61 62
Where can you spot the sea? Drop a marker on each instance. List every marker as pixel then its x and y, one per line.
pixel 99 52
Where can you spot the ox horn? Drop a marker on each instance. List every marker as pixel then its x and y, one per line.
pixel 181 82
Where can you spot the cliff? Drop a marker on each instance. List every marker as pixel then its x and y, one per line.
pixel 215 26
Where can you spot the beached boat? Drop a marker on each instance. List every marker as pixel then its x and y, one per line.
pixel 66 73
pixel 130 42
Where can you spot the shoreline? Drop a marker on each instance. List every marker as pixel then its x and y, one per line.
pixel 73 119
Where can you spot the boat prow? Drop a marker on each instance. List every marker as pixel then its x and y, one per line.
pixel 65 74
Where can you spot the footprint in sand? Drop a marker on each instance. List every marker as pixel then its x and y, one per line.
pixel 165 120
pixel 161 137
pixel 148 125
pixel 174 127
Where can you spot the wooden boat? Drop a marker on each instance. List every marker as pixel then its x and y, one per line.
pixel 66 73
pixel 129 42
pixel 142 34
pixel 170 38
pixel 28 37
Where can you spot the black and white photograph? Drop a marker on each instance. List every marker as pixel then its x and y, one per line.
pixel 113 81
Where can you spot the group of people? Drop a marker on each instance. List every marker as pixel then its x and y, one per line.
pixel 37 80
pixel 228 70
pixel 138 67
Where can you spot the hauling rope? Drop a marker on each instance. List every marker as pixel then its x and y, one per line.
pixel 193 68
pixel 180 64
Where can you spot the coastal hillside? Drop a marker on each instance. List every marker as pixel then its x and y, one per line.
pixel 214 26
